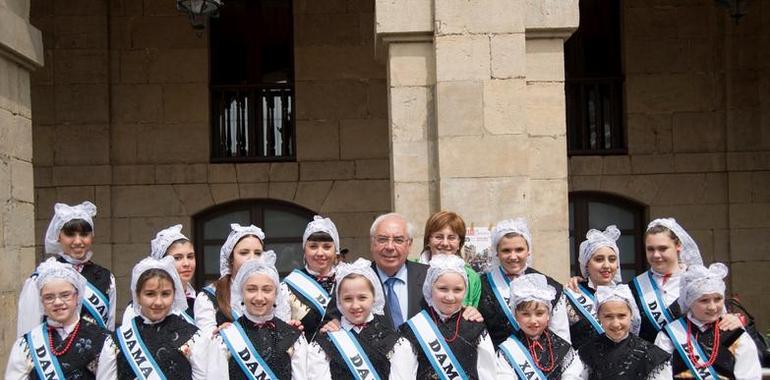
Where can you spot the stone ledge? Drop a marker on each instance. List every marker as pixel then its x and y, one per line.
pixel 20 41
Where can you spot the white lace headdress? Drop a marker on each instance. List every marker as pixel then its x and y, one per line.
pixel 596 239
pixel 237 232
pixel 164 238
pixel 698 280
pixel 504 227
pixel 321 224
pixel 439 265
pixel 64 213
pixel 51 269
pixel 168 265
pixel 362 267
pixel 690 254
pixel 531 287
pixel 620 292
pixel 265 265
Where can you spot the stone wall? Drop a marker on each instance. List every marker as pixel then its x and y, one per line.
pixel 698 122
pixel 21 51
pixel 122 119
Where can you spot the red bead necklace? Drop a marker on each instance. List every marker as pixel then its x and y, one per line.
pixel 457 325
pixel 70 340
pixel 714 347
pixel 535 356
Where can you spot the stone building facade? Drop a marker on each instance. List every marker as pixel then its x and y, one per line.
pixel 400 105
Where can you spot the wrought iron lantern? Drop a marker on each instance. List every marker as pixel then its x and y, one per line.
pixel 737 8
pixel 199 10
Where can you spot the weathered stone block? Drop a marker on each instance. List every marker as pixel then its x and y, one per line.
pixel 616 165
pixel 44 201
pixel 584 182
pixel 504 106
pixel 749 215
pixel 699 162
pixel 80 32
pixel 185 103
pixel 135 65
pixel 552 252
pixel 19 224
pixel 462 57
pixel 412 64
pixel 545 59
pixel 411 113
pixel 492 199
pixel 82 175
pixel 687 92
pixel 642 188
pixel 80 66
pixel 252 190
pixel 508 56
pixel 318 140
pixel 22 187
pixel 312 194
pixel 195 173
pixel 460 108
pixel 82 144
pixel 223 192
pixel 695 216
pixel 194 197
pixel 313 99
pixel 548 203
pixel 746 130
pixel 352 224
pixel 363 138
pixel 284 171
pixel 698 132
pixel 748 279
pixel 377 98
pixel 358 195
pixel 257 172
pixel 402 16
pixel 139 201
pixel 372 169
pixel 137 103
pixel 84 103
pixel 326 170
pixel 740 187
pixel 133 174
pixel 43 104
pixel 479 16
pixel 651 164
pixel 328 29
pixel 544 111
pixel 282 190
pixel 740 161
pixel 72 195
pixel 547 158
pixel 499 160
pixel 413 161
pixel 551 14
pixel 194 148
pixel 170 32
pixel 221 173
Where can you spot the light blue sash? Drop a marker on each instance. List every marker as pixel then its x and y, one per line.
pixel 520 359
pixel 435 347
pixel 677 331
pixel 136 353
pixel 585 302
pixel 97 304
pixel 45 362
pixel 355 357
pixel 244 353
pixel 652 301
pixel 309 288
pixel 500 286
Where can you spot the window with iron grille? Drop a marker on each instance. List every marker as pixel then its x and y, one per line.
pixel 252 82
pixel 594 81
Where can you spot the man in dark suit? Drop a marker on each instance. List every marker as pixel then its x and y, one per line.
pixel 391 239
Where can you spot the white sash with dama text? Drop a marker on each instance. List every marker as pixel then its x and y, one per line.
pixel 244 353
pixel 136 353
pixel 520 359
pixel 500 288
pixel 309 288
pixel 435 347
pixel 585 302
pixel 97 304
pixel 45 362
pixel 677 331
pixel 355 357
pixel 652 301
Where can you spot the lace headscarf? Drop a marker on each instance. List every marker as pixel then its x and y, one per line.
pixel 265 265
pixel 440 265
pixel 698 280
pixel 690 254
pixel 164 239
pixel 64 213
pixel 51 269
pixel 596 239
pixel 531 287
pixel 362 267
pixel 504 227
pixel 321 224
pixel 620 292
pixel 237 232
pixel 168 265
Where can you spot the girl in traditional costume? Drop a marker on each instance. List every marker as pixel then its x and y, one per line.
pixel 213 306
pixel 534 351
pixel 171 242
pixel 158 343
pixel 618 353
pixel 599 264
pixel 364 334
pixel 258 345
pixel 445 345
pixel 310 290
pixel 512 247
pixel 700 349
pixel 670 250
pixel 64 346
pixel 70 236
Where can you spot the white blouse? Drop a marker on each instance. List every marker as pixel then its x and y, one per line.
pixel 197 350
pixel 747 366
pixel 205 313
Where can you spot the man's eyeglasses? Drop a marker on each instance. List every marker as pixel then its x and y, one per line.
pixel 397 240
